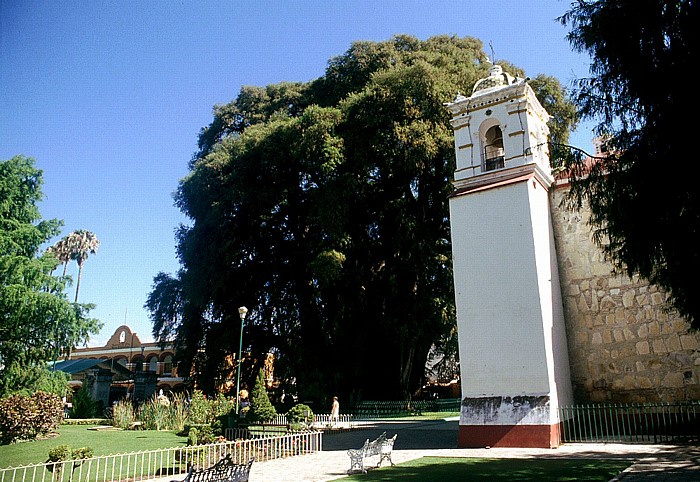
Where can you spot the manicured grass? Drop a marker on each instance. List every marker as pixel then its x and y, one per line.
pixel 450 469
pixel 102 442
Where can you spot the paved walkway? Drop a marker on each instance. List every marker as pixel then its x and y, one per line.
pixel 668 463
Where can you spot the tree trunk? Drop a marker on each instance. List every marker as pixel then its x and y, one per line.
pixel 77 285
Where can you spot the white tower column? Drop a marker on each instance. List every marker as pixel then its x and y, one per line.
pixel 512 342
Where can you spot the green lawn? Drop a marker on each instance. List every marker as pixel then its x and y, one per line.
pixel 450 469
pixel 102 442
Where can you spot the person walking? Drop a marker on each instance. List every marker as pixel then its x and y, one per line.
pixel 335 411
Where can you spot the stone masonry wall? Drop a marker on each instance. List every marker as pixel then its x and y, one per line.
pixel 625 344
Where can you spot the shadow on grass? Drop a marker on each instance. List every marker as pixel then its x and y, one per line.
pixel 450 469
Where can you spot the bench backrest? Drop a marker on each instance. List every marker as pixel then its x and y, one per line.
pixel 225 470
pixel 388 445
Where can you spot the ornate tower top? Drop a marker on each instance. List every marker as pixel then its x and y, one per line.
pixel 500 127
pixel 497 78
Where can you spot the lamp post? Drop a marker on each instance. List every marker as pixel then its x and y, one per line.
pixel 242 311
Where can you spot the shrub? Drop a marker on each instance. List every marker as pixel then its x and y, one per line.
pixel 27 417
pixel 156 415
pixel 261 410
pixel 201 434
pixel 123 414
pixel 222 406
pixel 82 453
pixel 84 406
pixel 178 411
pixel 59 453
pixel 199 410
pixel 87 421
pixel 53 382
pixel 300 413
pixel 299 417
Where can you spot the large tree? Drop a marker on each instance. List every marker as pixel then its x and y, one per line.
pixel 644 201
pixel 36 319
pixel 323 207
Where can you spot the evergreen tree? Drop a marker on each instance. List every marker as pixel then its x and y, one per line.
pixel 645 207
pixel 261 410
pixel 36 319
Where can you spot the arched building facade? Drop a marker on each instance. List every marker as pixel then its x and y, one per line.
pixel 137 369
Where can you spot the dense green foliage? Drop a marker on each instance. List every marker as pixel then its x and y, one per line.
pixel 123 414
pixel 300 413
pixel 36 319
pixel 25 417
pixel 59 453
pixel 261 409
pixel 324 205
pixel 638 91
pixel 84 406
pixel 199 409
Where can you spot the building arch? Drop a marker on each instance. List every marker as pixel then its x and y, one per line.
pixel 167 363
pixel 152 363
pixel 492 145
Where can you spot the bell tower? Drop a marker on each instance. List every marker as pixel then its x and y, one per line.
pixel 512 341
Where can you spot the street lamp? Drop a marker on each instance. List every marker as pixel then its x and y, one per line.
pixel 242 311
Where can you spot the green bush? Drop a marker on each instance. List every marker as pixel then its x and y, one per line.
pixel 200 410
pixel 123 414
pixel 59 453
pixel 84 406
pixel 156 415
pixel 82 453
pixel 222 406
pixel 27 417
pixel 178 412
pixel 200 435
pixel 87 421
pixel 300 413
pixel 261 410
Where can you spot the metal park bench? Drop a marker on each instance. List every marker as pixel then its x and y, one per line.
pixel 225 470
pixel 381 446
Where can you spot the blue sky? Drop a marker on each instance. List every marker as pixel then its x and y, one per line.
pixel 109 97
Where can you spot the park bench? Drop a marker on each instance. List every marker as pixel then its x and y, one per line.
pixel 381 446
pixel 225 470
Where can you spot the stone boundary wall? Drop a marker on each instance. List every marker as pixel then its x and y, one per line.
pixel 625 344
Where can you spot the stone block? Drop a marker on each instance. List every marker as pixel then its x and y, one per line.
pixel 658 346
pixel 642 348
pixel 689 342
pixel 628 298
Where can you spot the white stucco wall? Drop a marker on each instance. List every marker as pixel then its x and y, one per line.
pixel 501 335
pixel 553 321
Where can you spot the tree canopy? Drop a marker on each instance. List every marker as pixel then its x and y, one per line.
pixel 36 319
pixel 323 206
pixel 645 204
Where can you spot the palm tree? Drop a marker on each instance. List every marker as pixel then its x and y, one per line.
pixel 61 252
pixel 81 244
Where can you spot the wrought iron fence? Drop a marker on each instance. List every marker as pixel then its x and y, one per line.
pixel 280 425
pixel 138 466
pixel 381 408
pixel 649 423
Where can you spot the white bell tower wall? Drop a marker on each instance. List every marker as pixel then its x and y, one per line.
pixel 512 341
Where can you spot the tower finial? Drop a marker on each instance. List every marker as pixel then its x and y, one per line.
pixel 493 54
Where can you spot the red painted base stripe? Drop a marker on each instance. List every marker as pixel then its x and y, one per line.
pixel 524 436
